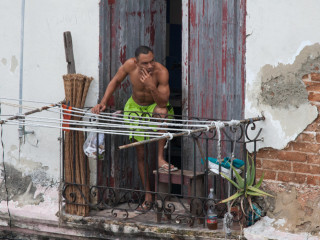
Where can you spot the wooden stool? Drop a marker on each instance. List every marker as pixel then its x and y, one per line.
pixel 188 180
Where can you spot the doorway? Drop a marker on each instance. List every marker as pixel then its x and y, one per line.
pixel 173 64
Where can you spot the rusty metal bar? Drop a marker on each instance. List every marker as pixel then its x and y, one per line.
pixel 185 133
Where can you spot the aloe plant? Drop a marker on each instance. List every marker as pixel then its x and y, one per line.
pixel 250 189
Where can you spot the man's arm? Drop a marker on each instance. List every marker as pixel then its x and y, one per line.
pixel 161 92
pixel 112 86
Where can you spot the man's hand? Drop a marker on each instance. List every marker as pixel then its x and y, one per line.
pixel 147 80
pixel 98 108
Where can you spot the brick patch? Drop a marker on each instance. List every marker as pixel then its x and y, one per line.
pixel 299 162
pixel 306 137
pixel 305 147
pixel 279 165
pixel 314 97
pixel 313 159
pixel 292 177
pixel 315 76
pixel 313 180
pixel 306 168
pixel 292 156
pixel 267 174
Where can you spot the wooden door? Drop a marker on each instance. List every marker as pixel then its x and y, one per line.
pixel 213 57
pixel 125 25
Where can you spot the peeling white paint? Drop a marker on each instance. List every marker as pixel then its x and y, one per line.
pixel 278 40
pixel 282 125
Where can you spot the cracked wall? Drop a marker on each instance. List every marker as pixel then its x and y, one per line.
pixel 33 162
pixel 282 60
pixel 279 51
pixel 297 205
pixel 279 93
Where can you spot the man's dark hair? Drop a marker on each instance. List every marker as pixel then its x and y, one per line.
pixel 142 50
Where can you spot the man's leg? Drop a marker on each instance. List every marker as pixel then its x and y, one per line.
pixel 161 113
pixel 142 167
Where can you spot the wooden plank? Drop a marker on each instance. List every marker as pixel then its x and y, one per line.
pixel 69 52
pixel 213 76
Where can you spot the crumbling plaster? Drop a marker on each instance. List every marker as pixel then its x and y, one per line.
pixel 35 160
pixel 280 50
pixel 296 207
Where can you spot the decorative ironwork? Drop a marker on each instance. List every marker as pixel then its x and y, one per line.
pixel 182 208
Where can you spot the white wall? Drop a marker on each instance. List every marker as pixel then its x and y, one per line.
pixel 43 66
pixel 277 32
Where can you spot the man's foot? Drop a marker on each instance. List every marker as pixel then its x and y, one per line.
pixel 145 206
pixel 164 166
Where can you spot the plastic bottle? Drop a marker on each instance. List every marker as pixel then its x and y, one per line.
pixel 212 219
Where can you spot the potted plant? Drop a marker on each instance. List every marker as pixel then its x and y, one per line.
pixel 245 191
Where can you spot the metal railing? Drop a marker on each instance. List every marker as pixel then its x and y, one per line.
pixel 180 195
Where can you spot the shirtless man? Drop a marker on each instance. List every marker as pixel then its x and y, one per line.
pixel 150 90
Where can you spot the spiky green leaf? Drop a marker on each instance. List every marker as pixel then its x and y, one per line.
pixel 259 191
pixel 248 175
pixel 234 196
pixel 260 181
pixel 252 173
pixel 252 193
pixel 233 183
pixel 240 180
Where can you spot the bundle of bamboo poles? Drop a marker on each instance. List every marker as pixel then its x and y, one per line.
pixel 76 166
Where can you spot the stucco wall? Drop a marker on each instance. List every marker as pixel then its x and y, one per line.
pixel 282 46
pixel 283 49
pixel 37 159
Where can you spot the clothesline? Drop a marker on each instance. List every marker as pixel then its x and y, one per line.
pixel 115 123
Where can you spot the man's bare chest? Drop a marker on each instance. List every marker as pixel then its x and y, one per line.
pixel 136 82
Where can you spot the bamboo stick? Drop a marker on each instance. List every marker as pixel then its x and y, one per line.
pixel 31 112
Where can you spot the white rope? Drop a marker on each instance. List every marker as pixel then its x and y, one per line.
pixel 97 124
pixel 120 117
pixel 126 133
pixel 118 121
pixel 169 135
pixel 234 122
pixel 126 121
pixel 218 125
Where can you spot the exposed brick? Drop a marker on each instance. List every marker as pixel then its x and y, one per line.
pixel 306 147
pixel 306 137
pixel 268 174
pixel 313 127
pixel 306 76
pixel 308 82
pixel 258 163
pixel 258 173
pixel 318 137
pixel 315 76
pixel 292 177
pixel 313 87
pixel 314 96
pixel 314 180
pixel 306 168
pixel 314 169
pixel 313 159
pixel 267 153
pixel 276 165
pixel 292 156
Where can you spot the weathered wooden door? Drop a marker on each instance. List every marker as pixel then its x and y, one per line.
pixel 125 25
pixel 213 57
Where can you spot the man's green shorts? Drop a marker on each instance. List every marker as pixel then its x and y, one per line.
pixel 132 109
